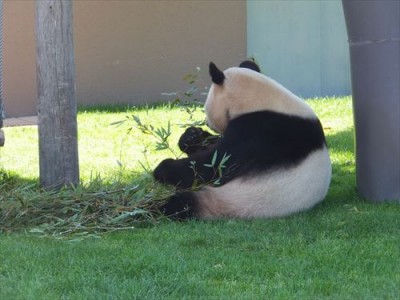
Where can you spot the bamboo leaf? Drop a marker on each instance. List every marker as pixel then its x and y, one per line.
pixel 137 120
pixel 214 159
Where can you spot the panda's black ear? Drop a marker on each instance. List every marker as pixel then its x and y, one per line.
pixel 249 64
pixel 217 76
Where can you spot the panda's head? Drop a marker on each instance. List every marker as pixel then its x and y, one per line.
pixel 240 90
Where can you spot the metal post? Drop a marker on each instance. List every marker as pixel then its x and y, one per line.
pixel 373 29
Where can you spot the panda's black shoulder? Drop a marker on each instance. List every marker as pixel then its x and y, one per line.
pixel 276 125
pixel 270 138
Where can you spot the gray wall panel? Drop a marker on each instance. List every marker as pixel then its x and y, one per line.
pixel 302 44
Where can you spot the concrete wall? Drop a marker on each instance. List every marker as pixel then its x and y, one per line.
pixel 19 81
pixel 302 44
pixel 126 51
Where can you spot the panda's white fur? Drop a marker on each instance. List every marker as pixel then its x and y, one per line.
pixel 245 91
pixel 274 192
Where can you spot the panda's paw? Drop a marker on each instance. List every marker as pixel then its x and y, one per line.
pixel 192 139
pixel 163 170
pixel 180 207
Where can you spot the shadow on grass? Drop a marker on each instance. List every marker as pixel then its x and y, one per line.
pixel 96 207
pixel 341 141
pixel 10 181
pixel 343 183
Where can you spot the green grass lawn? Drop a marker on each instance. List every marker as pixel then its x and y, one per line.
pixel 345 248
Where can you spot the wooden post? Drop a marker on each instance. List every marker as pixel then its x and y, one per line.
pixel 58 147
pixel 1 75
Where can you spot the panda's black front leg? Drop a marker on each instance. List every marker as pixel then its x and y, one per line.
pixel 195 139
pixel 176 172
pixel 208 167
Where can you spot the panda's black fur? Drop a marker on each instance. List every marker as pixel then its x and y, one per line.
pixel 254 145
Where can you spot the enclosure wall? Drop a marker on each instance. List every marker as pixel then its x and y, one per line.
pixel 302 44
pixel 126 51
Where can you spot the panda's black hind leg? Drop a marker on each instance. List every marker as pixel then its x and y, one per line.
pixel 181 206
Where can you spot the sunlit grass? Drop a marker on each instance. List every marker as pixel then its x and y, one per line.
pixel 105 150
pixel 345 248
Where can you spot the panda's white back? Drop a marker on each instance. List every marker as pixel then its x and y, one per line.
pixel 277 192
pixel 251 91
pixel 273 194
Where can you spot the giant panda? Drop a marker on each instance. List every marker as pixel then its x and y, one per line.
pixel 271 159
